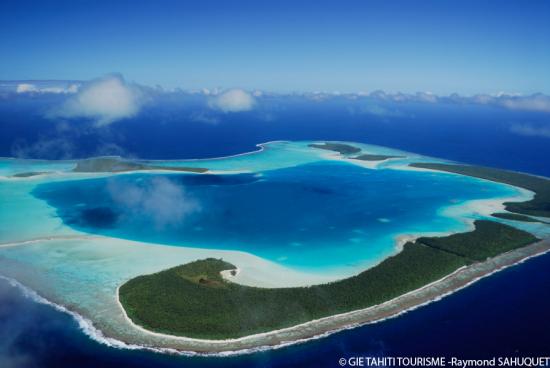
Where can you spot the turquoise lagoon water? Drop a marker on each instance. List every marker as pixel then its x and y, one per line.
pixel 315 216
pixel 305 209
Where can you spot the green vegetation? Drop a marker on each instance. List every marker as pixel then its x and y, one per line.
pixel 115 164
pixel 28 174
pixel 194 300
pixel 369 157
pixel 488 240
pixel 344 149
pixel 538 206
pixel 514 216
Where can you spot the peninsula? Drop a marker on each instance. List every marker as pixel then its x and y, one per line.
pixel 194 300
pixel 199 300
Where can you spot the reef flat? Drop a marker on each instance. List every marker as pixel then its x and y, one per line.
pixel 344 149
pixel 116 164
pixel 292 220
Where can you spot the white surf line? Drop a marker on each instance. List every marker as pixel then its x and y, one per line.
pixel 259 145
pixel 72 174
pixel 88 328
pixel 356 313
pixel 84 324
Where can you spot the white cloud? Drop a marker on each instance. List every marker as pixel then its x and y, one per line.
pixel 382 111
pixel 233 100
pixel 26 88
pixel 426 97
pixel 162 200
pixel 109 99
pixel 479 99
pixel 537 102
pixel 530 130
pixel 33 88
pixel 317 96
pixel 104 100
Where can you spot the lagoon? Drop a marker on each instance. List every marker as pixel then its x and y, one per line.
pixel 317 216
pixel 260 211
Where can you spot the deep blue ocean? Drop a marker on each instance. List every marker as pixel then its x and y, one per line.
pixel 505 314
pixel 479 134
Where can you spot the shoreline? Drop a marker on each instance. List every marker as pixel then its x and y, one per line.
pixel 137 337
pixel 482 207
pixel 261 147
pixel 314 329
pixel 258 145
pixel 434 291
pixel 305 332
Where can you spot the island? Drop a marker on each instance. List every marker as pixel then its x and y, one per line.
pixel 28 174
pixel 344 149
pixel 180 255
pixel 117 164
pixel 194 300
pixel 370 157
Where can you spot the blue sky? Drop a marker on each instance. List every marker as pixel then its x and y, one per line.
pixel 467 47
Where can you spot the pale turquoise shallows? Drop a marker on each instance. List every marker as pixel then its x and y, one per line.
pixel 287 215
